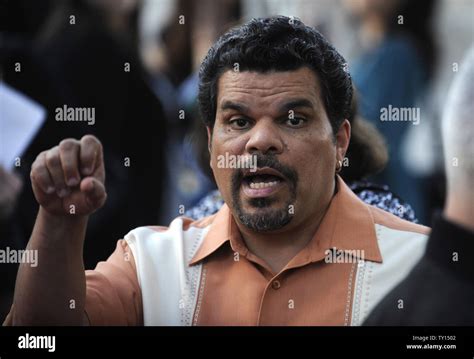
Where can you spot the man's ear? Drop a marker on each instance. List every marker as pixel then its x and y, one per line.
pixel 343 138
pixel 209 143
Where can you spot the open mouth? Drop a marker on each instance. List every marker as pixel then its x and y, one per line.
pixel 262 183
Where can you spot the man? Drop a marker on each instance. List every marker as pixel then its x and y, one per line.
pixel 440 289
pixel 292 246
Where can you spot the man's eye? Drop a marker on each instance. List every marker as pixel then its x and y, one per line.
pixel 295 121
pixel 239 123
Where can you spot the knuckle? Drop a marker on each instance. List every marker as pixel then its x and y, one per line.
pixel 37 176
pixel 67 144
pixel 52 158
pixel 92 141
pixel 35 165
pixel 35 169
pixel 39 157
pixel 89 138
pixel 39 160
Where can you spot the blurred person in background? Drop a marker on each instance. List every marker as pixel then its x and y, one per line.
pixel 396 61
pixel 96 64
pixel 22 71
pixel 84 54
pixel 440 288
pixel 10 187
pixel 189 32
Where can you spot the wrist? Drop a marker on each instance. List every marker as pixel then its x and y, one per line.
pixel 68 230
pixel 66 219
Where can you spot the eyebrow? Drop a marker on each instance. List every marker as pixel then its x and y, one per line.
pixel 239 107
pixel 296 103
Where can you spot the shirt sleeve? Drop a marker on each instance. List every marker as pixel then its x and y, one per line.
pixel 113 295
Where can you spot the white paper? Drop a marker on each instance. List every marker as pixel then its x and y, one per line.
pixel 20 120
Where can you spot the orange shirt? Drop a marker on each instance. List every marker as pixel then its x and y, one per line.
pixel 238 288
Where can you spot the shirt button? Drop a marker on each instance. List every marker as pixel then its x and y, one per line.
pixel 276 284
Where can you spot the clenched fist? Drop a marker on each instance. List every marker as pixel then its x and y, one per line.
pixel 69 178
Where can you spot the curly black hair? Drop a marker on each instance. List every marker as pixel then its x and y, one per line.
pixel 277 43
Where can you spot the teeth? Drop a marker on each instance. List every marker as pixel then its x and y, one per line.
pixel 262 184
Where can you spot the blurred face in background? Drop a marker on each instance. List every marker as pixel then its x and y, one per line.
pixel 364 8
pixel 279 118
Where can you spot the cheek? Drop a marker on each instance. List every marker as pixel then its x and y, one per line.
pixel 314 161
pixel 220 147
pixel 232 144
pixel 222 143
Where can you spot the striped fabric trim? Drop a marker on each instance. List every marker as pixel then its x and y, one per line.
pixel 169 285
pixel 401 251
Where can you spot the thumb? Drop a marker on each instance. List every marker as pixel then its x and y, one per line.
pixel 94 191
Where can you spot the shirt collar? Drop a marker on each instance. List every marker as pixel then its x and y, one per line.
pixel 348 225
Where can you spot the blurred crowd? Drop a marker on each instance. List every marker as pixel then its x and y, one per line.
pixel 135 63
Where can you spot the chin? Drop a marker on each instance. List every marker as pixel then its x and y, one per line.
pixel 261 216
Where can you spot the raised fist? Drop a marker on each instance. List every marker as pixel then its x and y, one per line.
pixel 68 179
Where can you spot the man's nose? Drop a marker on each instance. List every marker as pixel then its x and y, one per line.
pixel 264 138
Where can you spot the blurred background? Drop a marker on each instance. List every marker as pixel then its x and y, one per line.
pixel 135 63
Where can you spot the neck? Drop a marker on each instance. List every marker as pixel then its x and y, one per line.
pixel 277 249
pixel 459 209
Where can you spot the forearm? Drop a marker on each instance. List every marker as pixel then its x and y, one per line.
pixel 53 292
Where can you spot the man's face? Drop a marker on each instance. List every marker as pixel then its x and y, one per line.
pixel 278 117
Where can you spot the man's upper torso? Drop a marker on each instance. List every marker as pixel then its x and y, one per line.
pixel 201 273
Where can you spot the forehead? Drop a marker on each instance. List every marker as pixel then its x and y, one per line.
pixel 265 89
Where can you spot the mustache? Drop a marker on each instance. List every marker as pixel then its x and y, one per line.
pixel 271 161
